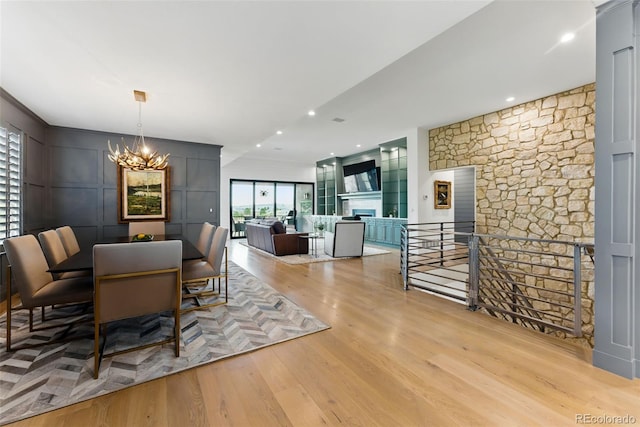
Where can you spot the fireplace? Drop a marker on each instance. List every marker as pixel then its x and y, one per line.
pixel 363 212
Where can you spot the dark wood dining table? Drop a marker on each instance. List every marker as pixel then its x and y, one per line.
pixel 83 260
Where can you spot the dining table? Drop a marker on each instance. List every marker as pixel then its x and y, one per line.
pixel 83 260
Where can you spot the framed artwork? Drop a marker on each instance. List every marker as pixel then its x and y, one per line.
pixel 442 194
pixel 143 195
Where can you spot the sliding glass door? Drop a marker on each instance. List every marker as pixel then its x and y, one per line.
pixel 289 202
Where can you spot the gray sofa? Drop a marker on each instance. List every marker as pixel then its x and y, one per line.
pixel 272 236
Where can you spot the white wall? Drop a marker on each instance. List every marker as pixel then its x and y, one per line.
pixel 417 174
pixel 258 169
pixel 433 214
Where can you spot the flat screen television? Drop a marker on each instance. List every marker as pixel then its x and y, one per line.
pixel 361 177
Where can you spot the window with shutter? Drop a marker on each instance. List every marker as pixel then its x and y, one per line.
pixel 10 183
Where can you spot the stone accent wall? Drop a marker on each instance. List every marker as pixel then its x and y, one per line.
pixel 534 170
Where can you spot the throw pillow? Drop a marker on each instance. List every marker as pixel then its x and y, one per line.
pixel 278 228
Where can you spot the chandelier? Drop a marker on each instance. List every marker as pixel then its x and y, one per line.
pixel 139 156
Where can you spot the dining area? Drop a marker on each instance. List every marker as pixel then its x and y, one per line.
pixel 64 286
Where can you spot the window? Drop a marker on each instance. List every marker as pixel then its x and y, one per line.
pixel 10 183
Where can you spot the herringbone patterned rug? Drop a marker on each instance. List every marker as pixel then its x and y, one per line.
pixel 52 376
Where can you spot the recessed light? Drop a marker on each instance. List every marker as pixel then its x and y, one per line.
pixel 311 113
pixel 567 37
pixel 358 145
pixel 331 154
pixel 279 132
pixel 510 99
pixel 258 145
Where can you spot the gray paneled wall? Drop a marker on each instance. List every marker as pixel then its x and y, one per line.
pixel 617 225
pixel 83 184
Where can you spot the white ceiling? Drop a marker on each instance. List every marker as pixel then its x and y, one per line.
pixel 234 72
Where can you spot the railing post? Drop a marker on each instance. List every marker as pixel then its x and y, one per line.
pixel 474 273
pixel 404 259
pixel 577 290
pixel 442 244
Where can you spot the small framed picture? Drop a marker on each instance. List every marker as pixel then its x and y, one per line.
pixel 442 194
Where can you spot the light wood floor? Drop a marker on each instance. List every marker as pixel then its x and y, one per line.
pixel 391 358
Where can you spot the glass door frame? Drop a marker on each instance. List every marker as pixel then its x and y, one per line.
pixel 236 227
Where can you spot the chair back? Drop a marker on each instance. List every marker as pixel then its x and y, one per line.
pixel 146 227
pixel 69 240
pixel 28 267
pixel 204 240
pixel 134 279
pixel 348 239
pixel 216 250
pixel 52 247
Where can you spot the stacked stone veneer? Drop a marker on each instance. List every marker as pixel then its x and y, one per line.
pixel 534 170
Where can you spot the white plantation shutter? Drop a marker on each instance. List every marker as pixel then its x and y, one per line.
pixel 10 183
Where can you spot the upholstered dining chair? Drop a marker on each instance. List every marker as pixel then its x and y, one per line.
pixel 69 240
pixel 55 253
pixel 204 240
pixel 37 287
pixel 196 274
pixel 135 279
pixel 146 227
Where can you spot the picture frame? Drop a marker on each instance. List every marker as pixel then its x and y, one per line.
pixel 442 194
pixel 143 195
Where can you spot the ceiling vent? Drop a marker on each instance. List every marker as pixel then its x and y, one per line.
pixel 338 120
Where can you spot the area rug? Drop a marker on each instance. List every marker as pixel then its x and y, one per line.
pixel 320 257
pixel 53 376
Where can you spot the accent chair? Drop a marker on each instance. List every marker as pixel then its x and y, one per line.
pixel 37 287
pixel 347 239
pixel 196 274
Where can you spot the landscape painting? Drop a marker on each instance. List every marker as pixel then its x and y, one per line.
pixel 143 195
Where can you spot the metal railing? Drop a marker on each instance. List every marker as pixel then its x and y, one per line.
pixel 536 283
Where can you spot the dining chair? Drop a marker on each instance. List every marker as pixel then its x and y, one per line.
pixel 132 280
pixel 37 287
pixel 204 240
pixel 55 253
pixel 146 227
pixel 69 240
pixel 196 274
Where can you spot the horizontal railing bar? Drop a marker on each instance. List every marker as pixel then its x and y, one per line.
pixel 534 264
pixel 458 297
pixel 532 320
pixel 514 282
pixel 437 275
pixel 539 276
pixel 540 315
pixel 504 291
pixel 524 251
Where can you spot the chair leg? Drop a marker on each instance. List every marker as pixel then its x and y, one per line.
pixel 176 317
pixel 96 350
pixel 8 308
